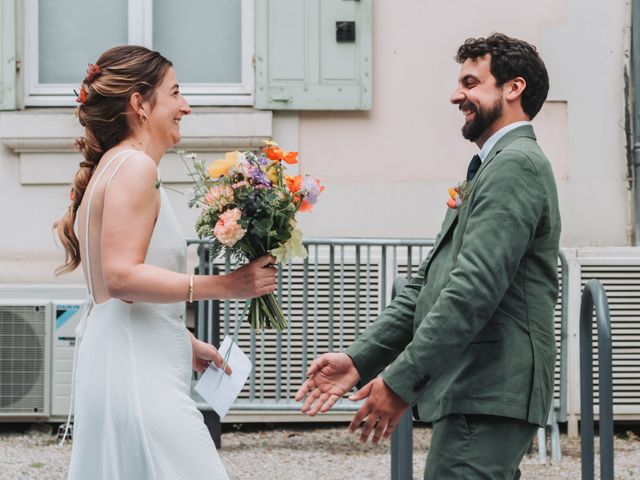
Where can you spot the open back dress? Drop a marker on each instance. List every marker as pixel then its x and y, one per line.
pixel 133 416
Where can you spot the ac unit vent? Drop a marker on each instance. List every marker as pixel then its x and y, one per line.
pixel 280 359
pixel 557 331
pixel 22 360
pixel 622 284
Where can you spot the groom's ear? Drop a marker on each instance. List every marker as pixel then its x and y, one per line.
pixel 514 88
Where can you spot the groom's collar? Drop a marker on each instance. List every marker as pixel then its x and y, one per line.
pixel 522 131
pixel 493 139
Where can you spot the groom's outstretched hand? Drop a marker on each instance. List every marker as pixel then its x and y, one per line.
pixel 329 377
pixel 380 413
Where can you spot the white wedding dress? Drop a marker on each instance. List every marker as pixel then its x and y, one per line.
pixel 134 418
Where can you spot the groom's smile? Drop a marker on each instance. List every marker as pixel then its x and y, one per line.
pixel 468 110
pixel 478 98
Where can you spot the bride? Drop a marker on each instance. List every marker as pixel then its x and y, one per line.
pixel 134 418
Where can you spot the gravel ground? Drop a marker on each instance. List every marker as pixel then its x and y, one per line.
pixel 295 453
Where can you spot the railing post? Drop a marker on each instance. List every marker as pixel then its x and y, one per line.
pixel 594 295
pixel 208 315
pixel 402 436
pixel 402 448
pixel 564 338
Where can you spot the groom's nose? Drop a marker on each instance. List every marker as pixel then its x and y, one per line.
pixel 457 97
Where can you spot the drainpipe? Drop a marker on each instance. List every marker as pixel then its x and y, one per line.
pixel 635 88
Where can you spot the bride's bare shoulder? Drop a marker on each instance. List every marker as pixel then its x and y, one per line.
pixel 135 167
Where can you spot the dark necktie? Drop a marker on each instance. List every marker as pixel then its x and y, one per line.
pixel 474 165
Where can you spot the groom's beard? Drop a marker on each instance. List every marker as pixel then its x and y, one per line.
pixel 481 120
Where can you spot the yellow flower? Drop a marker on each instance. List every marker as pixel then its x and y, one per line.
pixel 292 248
pixel 221 167
pixel 272 173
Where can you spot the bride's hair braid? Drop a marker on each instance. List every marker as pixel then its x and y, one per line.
pixel 103 98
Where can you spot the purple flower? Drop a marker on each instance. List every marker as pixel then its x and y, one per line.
pixel 260 178
pixel 313 189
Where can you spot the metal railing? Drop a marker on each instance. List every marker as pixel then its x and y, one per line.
pixel 558 411
pixel 561 410
pixel 594 296
pixel 329 298
pixel 402 436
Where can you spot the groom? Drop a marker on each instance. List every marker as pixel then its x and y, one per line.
pixel 470 341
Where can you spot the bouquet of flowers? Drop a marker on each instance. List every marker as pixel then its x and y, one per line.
pixel 248 207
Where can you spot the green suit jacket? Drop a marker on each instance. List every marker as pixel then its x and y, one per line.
pixel 473 331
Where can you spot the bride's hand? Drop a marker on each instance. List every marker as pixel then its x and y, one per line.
pixel 254 279
pixel 204 354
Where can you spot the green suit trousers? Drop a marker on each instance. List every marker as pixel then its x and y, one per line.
pixel 477 447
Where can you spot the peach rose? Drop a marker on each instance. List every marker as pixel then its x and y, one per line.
pixel 219 196
pixel 227 230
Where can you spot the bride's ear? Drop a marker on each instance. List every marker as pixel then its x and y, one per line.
pixel 135 102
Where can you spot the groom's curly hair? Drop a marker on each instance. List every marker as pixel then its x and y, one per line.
pixel 511 58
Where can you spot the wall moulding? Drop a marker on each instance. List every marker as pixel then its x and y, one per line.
pixel 44 140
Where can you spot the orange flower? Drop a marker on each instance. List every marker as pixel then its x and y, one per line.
pixel 82 96
pixel 455 201
pixel 290 157
pixel 276 154
pixel 294 184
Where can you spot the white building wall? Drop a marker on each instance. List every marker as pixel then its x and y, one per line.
pixel 386 170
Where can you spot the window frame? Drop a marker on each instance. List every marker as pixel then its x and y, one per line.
pixel 140 32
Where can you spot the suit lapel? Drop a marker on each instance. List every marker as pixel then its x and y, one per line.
pixel 452 213
pixel 449 221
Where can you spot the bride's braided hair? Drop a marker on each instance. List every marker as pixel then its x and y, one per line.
pixel 102 110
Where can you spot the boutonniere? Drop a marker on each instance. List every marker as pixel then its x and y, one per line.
pixel 458 194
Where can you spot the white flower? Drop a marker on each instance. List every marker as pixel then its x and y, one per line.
pixel 292 248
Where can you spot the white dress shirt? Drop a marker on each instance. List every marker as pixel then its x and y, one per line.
pixel 493 139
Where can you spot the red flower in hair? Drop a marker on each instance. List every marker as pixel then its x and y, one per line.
pixel 92 72
pixel 82 96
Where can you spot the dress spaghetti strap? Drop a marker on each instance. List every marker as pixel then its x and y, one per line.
pixel 88 213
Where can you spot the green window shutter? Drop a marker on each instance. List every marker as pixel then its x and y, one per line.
pixel 307 57
pixel 7 55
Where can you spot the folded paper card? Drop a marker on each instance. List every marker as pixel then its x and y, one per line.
pixel 219 389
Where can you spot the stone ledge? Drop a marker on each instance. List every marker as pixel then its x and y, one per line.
pixel 43 139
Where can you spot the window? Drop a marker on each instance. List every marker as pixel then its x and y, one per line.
pixel 210 43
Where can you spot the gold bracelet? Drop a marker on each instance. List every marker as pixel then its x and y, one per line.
pixel 191 289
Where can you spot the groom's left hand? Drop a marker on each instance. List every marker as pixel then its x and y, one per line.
pixel 381 411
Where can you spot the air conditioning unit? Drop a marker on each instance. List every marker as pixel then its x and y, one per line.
pixel 66 316
pixel 37 324
pixel 618 269
pixel 25 349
